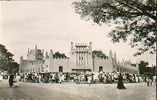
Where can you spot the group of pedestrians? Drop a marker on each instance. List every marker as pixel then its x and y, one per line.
pixel 14 80
pixel 150 80
pixel 103 77
pixel 43 77
pixel 88 77
pixel 80 78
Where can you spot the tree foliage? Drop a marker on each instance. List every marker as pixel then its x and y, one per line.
pixel 59 55
pixel 13 67
pixel 6 60
pixel 136 20
pixel 5 57
pixel 99 54
pixel 145 69
pixel 142 67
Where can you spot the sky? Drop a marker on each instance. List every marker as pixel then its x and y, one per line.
pixel 53 25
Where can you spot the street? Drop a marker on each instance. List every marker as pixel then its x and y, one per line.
pixel 71 91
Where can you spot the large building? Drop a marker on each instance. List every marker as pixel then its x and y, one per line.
pixel 81 60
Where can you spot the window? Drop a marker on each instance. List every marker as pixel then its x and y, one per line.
pixel 60 68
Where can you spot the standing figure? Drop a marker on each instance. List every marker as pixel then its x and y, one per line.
pixel 56 78
pixel 120 84
pixel 61 77
pixel 40 78
pixel 147 81
pixel 89 79
pixel 1 77
pixel 11 80
pixel 17 80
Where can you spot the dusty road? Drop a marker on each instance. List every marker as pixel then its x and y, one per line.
pixel 71 91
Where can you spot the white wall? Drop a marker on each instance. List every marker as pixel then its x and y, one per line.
pixel 105 63
pixel 30 66
pixel 54 63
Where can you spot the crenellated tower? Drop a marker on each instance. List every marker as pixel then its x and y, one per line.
pixel 35 54
pixel 81 56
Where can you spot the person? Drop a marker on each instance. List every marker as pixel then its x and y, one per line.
pixel 150 81
pixel 11 80
pixel 61 78
pixel 56 78
pixel 17 80
pixel 120 84
pixel 40 78
pixel 154 79
pixel 147 81
pixel 1 77
pixel 89 79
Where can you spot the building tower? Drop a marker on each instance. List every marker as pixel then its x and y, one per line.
pixel 81 57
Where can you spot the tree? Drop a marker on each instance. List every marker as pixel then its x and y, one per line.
pixel 99 54
pixel 5 57
pixel 13 67
pixel 142 67
pixel 135 20
pixel 6 60
pixel 59 55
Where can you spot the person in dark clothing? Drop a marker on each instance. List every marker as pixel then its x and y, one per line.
pixel 56 78
pixel 120 84
pixel 11 80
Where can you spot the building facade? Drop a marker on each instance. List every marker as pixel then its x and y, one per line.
pixel 81 57
pixel 81 60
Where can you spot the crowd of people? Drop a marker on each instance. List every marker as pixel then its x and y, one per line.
pixel 81 78
pixel 88 77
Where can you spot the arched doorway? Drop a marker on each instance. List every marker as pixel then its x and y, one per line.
pixel 60 68
pixel 100 68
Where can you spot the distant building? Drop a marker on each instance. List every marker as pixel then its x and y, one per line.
pixel 81 60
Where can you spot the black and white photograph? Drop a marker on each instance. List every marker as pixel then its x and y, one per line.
pixel 78 49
